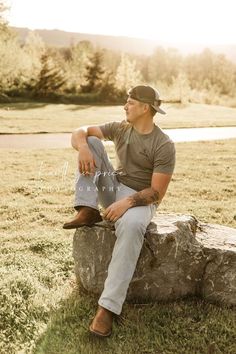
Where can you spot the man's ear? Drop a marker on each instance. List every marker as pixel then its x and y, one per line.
pixel 145 107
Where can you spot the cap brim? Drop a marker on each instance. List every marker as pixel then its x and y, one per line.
pixel 158 109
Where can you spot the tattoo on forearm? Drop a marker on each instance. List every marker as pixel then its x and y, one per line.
pixel 145 197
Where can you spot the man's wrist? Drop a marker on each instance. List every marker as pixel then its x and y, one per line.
pixel 129 202
pixel 145 197
pixel 82 145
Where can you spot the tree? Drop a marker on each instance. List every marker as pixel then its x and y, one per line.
pixel 34 48
pixel 210 71
pixel 180 88
pixel 164 65
pixel 10 54
pixel 76 65
pixel 127 75
pixel 51 77
pixel 11 62
pixel 3 9
pixel 94 75
pixel 5 31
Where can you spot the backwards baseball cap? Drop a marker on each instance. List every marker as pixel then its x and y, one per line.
pixel 147 94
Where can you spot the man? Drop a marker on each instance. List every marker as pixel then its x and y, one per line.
pixel 130 194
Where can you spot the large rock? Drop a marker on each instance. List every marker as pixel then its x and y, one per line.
pixel 180 256
pixel 219 273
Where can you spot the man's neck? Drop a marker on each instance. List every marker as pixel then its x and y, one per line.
pixel 144 126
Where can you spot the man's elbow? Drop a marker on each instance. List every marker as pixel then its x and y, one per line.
pixel 75 136
pixel 159 192
pixel 72 140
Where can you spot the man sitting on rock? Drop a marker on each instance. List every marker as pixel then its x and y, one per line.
pixel 130 194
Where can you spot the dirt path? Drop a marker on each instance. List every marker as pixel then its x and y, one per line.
pixel 62 140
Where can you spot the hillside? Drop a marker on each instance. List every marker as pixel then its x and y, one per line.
pixel 118 43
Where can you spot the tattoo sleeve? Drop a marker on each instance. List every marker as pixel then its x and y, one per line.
pixel 145 197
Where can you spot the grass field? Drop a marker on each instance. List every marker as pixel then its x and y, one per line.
pixel 43 311
pixel 40 117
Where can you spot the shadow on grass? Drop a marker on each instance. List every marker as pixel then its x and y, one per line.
pixel 185 326
pixel 28 104
pixel 22 106
pixel 78 107
pixel 97 105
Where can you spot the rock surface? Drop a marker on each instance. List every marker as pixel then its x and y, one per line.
pixel 180 256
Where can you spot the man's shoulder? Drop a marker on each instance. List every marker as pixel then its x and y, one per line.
pixel 123 124
pixel 120 126
pixel 114 130
pixel 159 133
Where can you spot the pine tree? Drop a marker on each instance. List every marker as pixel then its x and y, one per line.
pixel 51 77
pixel 76 65
pixel 34 48
pixel 94 75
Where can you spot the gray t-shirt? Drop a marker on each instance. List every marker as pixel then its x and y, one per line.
pixel 139 155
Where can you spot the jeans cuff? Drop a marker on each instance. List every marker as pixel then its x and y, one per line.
pixel 109 307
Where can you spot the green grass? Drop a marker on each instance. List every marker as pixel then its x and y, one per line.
pixel 42 117
pixel 40 305
pixel 188 327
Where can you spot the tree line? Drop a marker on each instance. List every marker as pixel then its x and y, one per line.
pixel 84 73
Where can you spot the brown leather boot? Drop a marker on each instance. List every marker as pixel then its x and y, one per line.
pixel 102 323
pixel 86 216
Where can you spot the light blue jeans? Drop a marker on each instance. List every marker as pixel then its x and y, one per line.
pixel 130 228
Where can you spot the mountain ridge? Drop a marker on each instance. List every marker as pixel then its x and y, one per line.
pixel 138 46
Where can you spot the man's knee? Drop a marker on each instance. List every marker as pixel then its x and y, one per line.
pixel 130 225
pixel 95 142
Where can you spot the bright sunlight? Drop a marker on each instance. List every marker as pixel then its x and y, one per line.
pixel 183 21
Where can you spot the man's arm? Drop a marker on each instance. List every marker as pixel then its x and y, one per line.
pixel 86 162
pixel 79 136
pixel 154 194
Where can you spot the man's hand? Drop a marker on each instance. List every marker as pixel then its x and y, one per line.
pixel 116 210
pixel 86 162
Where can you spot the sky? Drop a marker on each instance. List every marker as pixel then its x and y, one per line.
pixel 170 21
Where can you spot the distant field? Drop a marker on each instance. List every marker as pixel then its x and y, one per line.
pixel 39 299
pixel 40 117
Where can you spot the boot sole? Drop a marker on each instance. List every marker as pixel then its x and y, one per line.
pixel 80 225
pixel 75 226
pixel 99 334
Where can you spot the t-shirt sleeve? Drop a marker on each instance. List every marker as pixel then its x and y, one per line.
pixel 164 160
pixel 109 130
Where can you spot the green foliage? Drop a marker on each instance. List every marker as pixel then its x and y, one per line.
pixel 76 63
pixel 127 74
pixel 3 22
pixel 10 62
pixel 94 74
pixel 51 76
pixel 81 73
pixel 164 65
pixel 209 71
pixel 34 48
